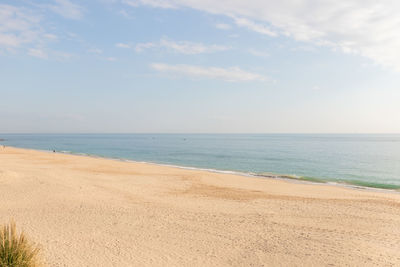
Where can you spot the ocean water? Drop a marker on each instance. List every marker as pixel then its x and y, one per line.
pixel 360 159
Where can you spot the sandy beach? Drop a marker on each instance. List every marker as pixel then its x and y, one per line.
pixel 86 211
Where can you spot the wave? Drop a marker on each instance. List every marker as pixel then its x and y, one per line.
pixel 307 179
pixel 350 183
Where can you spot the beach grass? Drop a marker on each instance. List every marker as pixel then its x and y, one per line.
pixel 16 250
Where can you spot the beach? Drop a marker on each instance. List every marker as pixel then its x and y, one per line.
pixel 86 211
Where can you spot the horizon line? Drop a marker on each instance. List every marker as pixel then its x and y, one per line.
pixel 322 133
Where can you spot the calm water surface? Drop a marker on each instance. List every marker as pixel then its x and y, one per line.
pixel 369 160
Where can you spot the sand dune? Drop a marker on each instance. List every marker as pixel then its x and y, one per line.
pixel 95 212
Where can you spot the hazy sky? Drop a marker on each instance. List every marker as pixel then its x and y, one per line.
pixel 315 66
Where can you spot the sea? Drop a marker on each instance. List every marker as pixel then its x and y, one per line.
pixel 367 160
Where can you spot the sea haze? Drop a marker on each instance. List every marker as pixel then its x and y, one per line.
pixel 363 159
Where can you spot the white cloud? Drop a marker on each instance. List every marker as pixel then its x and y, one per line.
pixel 242 22
pixel 126 14
pixel 153 3
pixel 23 30
pixel 142 46
pixel 233 74
pixel 50 36
pixel 182 47
pixel 9 40
pixel 122 45
pixel 366 27
pixel 39 53
pixel 111 59
pixel 18 26
pixel 67 9
pixel 223 26
pixel 186 47
pixel 49 54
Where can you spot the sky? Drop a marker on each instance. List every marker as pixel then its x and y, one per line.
pixel 200 66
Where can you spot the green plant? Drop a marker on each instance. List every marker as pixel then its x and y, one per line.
pixel 16 250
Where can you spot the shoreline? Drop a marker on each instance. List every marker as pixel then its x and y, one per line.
pixel 355 185
pixel 92 211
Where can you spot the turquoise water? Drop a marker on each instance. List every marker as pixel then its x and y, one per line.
pixel 361 159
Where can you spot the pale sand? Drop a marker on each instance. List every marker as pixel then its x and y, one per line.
pixel 96 212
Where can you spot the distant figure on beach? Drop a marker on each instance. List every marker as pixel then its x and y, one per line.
pixel 54 151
